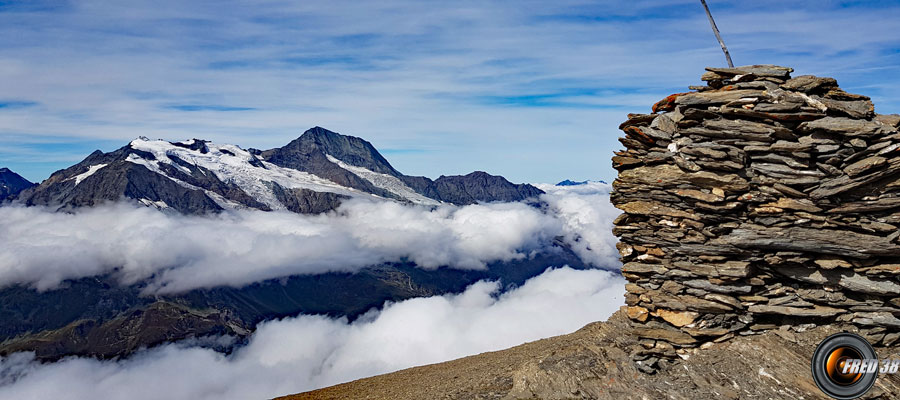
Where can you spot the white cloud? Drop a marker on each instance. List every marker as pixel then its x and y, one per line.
pixel 430 76
pixel 307 352
pixel 587 217
pixel 176 253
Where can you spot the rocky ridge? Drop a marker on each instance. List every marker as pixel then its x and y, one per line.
pixel 310 175
pixel 569 182
pixel 12 183
pixel 755 202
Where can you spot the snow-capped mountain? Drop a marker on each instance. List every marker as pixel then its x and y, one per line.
pixel 311 174
pixel 106 316
pixel 12 183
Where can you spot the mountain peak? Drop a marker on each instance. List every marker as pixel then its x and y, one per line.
pixel 11 183
pixel 320 131
pixel 352 150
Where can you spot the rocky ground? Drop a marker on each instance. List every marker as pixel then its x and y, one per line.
pixel 595 363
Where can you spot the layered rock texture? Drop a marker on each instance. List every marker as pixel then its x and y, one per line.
pixel 756 202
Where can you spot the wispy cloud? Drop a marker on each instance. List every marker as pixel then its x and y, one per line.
pixel 497 76
pixel 12 104
pixel 206 107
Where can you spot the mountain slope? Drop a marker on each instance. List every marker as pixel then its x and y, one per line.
pixel 346 159
pixel 349 149
pixel 596 363
pixel 137 172
pixel 309 153
pixel 311 174
pixel 12 183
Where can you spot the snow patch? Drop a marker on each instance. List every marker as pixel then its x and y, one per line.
pixel 150 203
pixel 232 164
pixel 91 170
pixel 387 182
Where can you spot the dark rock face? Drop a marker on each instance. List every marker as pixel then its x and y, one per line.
pixel 349 149
pixel 470 189
pixel 755 202
pixel 478 187
pixel 305 201
pixel 181 186
pixel 309 152
pixel 418 183
pixel 11 184
pixel 117 181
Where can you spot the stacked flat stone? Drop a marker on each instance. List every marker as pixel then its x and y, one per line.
pixel 758 202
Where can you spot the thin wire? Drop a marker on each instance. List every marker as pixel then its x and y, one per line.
pixel 715 29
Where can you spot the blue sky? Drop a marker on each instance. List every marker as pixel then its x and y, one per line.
pixel 532 90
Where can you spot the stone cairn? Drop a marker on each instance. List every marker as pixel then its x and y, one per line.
pixel 758 202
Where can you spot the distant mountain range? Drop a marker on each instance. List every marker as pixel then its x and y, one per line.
pixel 568 182
pixel 311 174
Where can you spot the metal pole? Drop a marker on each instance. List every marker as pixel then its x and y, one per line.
pixel 712 22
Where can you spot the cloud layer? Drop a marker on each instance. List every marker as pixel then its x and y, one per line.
pixel 587 219
pixel 175 253
pixel 307 352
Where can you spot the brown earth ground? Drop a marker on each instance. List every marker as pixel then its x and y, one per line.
pixel 594 363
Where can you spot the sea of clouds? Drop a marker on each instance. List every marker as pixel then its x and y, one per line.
pixel 291 355
pixel 308 352
pixel 175 253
